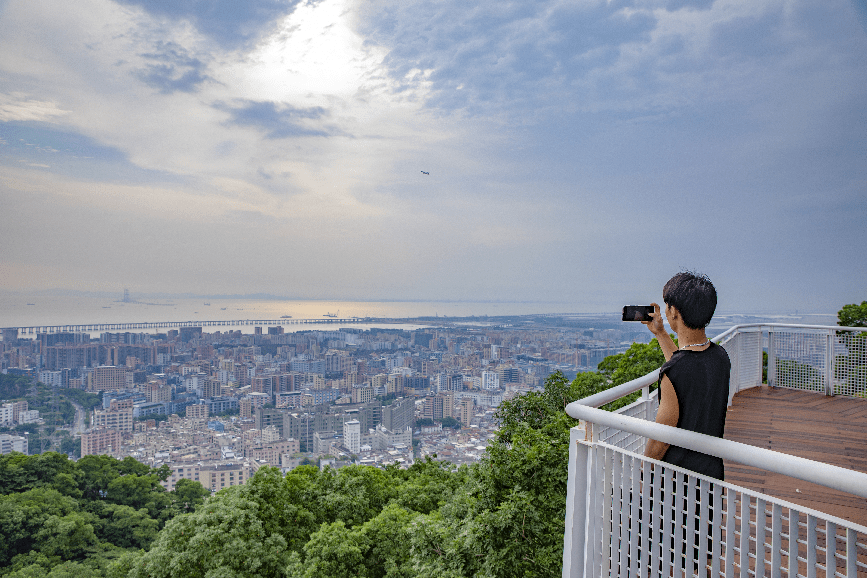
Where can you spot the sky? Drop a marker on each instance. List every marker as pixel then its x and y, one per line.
pixel 576 151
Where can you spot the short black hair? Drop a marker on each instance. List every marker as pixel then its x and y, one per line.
pixel 694 297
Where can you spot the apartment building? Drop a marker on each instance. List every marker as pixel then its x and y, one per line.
pixel 467 411
pixel 198 411
pixel 107 378
pixel 100 441
pixel 10 443
pixel 118 416
pixel 212 474
pixel 271 453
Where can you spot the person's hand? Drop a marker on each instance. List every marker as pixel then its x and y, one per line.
pixel 656 326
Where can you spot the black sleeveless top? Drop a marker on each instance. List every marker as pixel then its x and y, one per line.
pixel 701 382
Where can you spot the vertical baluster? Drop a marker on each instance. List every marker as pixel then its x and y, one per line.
pixel 716 530
pixel 761 521
pixel 644 538
pixel 776 539
pixel 745 535
pixel 668 517
pixel 608 512
pixel 703 521
pixel 678 506
pixel 811 546
pixel 656 513
pixel 830 549
pixel 599 503
pixel 634 508
pixel 731 519
pixel 851 552
pixel 794 532
pixel 617 514
pixel 689 505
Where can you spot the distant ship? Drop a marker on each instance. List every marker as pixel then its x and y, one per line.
pixel 285 317
pixel 332 314
pixel 208 304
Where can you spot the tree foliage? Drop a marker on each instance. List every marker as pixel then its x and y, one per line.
pixel 65 518
pixel 853 315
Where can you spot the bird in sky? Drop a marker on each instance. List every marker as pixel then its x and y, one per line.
pixel 425 173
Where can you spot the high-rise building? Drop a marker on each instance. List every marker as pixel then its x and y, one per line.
pixel 100 441
pixel 186 334
pixel 490 380
pixel 509 374
pixel 246 408
pixel 399 414
pixel 448 404
pixel 198 411
pixel 352 436
pixel 107 378
pixel 433 408
pixel 118 416
pixel 211 388
pixel 467 411
pixel 362 394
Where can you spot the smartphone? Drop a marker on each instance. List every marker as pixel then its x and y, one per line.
pixel 637 312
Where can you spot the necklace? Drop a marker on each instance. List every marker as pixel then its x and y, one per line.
pixel 695 344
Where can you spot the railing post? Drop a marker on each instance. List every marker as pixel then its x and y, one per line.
pixel 772 358
pixel 578 523
pixel 829 363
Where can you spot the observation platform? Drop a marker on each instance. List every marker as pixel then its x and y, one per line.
pixel 827 429
pixel 794 499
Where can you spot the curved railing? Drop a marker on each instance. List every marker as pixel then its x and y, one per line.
pixel 610 485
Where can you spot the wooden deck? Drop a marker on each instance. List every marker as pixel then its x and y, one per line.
pixel 832 430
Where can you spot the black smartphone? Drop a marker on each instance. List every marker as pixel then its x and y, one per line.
pixel 637 312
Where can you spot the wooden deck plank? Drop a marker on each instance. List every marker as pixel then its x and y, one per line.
pixel 832 430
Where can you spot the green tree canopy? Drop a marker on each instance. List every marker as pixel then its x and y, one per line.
pixel 853 315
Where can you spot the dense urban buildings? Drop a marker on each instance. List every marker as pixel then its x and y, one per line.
pixel 217 406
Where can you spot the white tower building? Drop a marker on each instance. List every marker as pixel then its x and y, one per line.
pixel 352 435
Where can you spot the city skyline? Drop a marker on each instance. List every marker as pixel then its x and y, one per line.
pixel 411 151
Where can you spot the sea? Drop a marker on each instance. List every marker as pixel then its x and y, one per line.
pixel 41 310
pixel 21 310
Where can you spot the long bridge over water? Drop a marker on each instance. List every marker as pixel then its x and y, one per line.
pixel 94 327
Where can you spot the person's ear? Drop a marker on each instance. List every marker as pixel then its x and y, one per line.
pixel 673 314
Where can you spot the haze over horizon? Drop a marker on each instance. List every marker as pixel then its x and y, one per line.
pixel 550 151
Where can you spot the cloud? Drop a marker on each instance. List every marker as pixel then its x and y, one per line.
pixel 17 106
pixel 173 69
pixel 479 58
pixel 673 5
pixel 231 23
pixel 277 120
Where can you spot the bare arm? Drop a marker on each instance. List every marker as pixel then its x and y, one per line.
pixel 668 414
pixel 666 343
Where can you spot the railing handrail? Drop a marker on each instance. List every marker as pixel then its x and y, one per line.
pixel 616 392
pixel 787 325
pixel 826 475
pixel 624 389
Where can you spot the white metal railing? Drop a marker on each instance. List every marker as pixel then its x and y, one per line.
pixel 623 520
